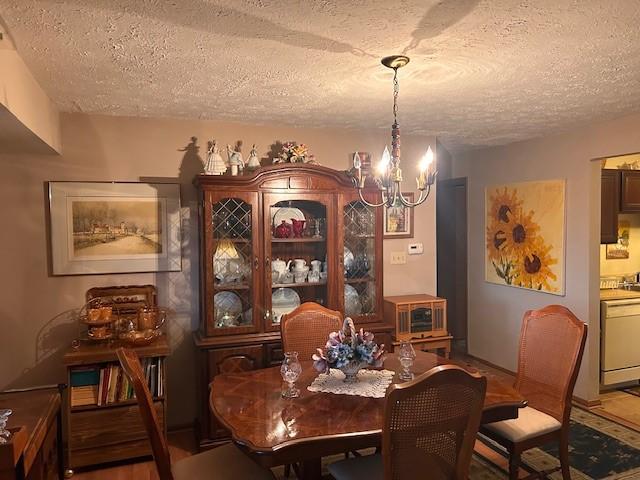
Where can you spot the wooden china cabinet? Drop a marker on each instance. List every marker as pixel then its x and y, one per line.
pixel 242 300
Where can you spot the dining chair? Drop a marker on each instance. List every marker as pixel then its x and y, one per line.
pixel 307 328
pixel 552 342
pixel 223 463
pixel 304 330
pixel 430 427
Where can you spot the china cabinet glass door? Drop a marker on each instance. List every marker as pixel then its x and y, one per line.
pixel 299 253
pixel 232 264
pixel 361 260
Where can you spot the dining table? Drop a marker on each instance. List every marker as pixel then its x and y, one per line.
pixel 277 431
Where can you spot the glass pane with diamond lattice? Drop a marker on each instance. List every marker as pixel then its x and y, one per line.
pixel 359 259
pixel 233 251
pixel 231 219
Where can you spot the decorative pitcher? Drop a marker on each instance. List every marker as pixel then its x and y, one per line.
pixel 298 227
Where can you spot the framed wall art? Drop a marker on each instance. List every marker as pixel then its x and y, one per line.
pixel 525 235
pixel 398 220
pixel 114 227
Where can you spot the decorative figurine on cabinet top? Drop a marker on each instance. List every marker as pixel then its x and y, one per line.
pixel 235 160
pixel 215 164
pixel 253 162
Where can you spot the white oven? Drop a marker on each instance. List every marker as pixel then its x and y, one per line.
pixel 620 341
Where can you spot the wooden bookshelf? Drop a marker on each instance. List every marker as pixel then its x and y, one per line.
pixel 113 431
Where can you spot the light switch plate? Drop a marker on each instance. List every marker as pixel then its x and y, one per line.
pixel 415 248
pixel 398 258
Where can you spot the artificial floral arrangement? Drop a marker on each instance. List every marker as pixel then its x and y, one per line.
pixel 349 351
pixel 294 153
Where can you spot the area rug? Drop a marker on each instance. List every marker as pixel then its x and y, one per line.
pixel 598 449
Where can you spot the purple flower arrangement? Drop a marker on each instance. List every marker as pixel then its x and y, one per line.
pixel 348 347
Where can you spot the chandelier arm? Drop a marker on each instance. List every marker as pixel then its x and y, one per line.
pixel 421 199
pixel 369 204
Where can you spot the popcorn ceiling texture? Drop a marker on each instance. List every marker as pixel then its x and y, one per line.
pixel 481 72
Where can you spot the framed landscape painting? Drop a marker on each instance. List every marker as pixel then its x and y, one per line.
pixel 114 227
pixel 525 235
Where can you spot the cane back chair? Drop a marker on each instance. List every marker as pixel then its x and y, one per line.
pixel 429 430
pixel 307 328
pixel 552 342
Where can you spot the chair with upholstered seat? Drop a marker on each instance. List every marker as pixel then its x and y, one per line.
pixel 307 328
pixel 551 345
pixel 222 463
pixel 430 427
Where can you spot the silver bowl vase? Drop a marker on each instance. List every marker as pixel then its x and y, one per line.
pixel 351 370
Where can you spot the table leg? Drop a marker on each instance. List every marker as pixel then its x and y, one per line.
pixel 311 469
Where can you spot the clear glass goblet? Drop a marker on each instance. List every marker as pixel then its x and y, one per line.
pixel 407 355
pixel 290 371
pixel 4 417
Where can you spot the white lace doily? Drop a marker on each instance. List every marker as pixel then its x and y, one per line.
pixel 371 383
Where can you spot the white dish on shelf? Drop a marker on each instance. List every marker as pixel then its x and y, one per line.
pixel 227 302
pixel 352 303
pixel 285 213
pixel 283 300
pixel 348 259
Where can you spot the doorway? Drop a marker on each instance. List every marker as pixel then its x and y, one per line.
pixel 451 240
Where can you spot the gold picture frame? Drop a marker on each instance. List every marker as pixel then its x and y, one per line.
pixel 398 220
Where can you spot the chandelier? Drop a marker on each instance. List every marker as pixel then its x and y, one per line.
pixel 388 175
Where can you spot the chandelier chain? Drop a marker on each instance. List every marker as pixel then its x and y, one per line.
pixel 396 91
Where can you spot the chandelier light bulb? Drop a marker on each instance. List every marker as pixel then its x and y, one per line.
pixel 427 160
pixel 384 162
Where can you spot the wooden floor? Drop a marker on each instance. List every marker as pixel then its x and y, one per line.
pixel 616 405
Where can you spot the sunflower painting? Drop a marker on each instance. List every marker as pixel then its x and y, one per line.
pixel 525 235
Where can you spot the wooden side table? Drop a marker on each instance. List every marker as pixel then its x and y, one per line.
pixel 35 451
pixel 431 343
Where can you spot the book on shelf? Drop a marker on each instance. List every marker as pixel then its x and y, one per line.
pixel 107 384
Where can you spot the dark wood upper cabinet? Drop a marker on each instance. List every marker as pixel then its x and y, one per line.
pixel 630 199
pixel 610 205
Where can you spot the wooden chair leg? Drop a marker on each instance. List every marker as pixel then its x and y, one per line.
pixel 564 456
pixel 514 465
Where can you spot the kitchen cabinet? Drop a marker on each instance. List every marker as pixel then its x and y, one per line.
pixel 630 194
pixel 609 206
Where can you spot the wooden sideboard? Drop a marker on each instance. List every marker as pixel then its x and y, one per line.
pixel 35 450
pixel 112 431
pixel 241 301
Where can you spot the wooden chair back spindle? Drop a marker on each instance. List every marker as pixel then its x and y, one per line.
pixel 132 368
pixel 431 424
pixel 307 328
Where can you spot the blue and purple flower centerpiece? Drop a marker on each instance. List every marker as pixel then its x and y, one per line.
pixel 349 351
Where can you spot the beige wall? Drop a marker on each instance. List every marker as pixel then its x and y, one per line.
pixel 495 312
pixel 29 105
pixel 36 309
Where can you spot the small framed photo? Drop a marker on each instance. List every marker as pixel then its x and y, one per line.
pixel 114 227
pixel 398 220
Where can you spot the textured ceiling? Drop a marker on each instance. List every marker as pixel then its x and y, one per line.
pixel 481 72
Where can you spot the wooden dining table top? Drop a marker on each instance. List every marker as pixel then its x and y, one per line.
pixel 251 406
